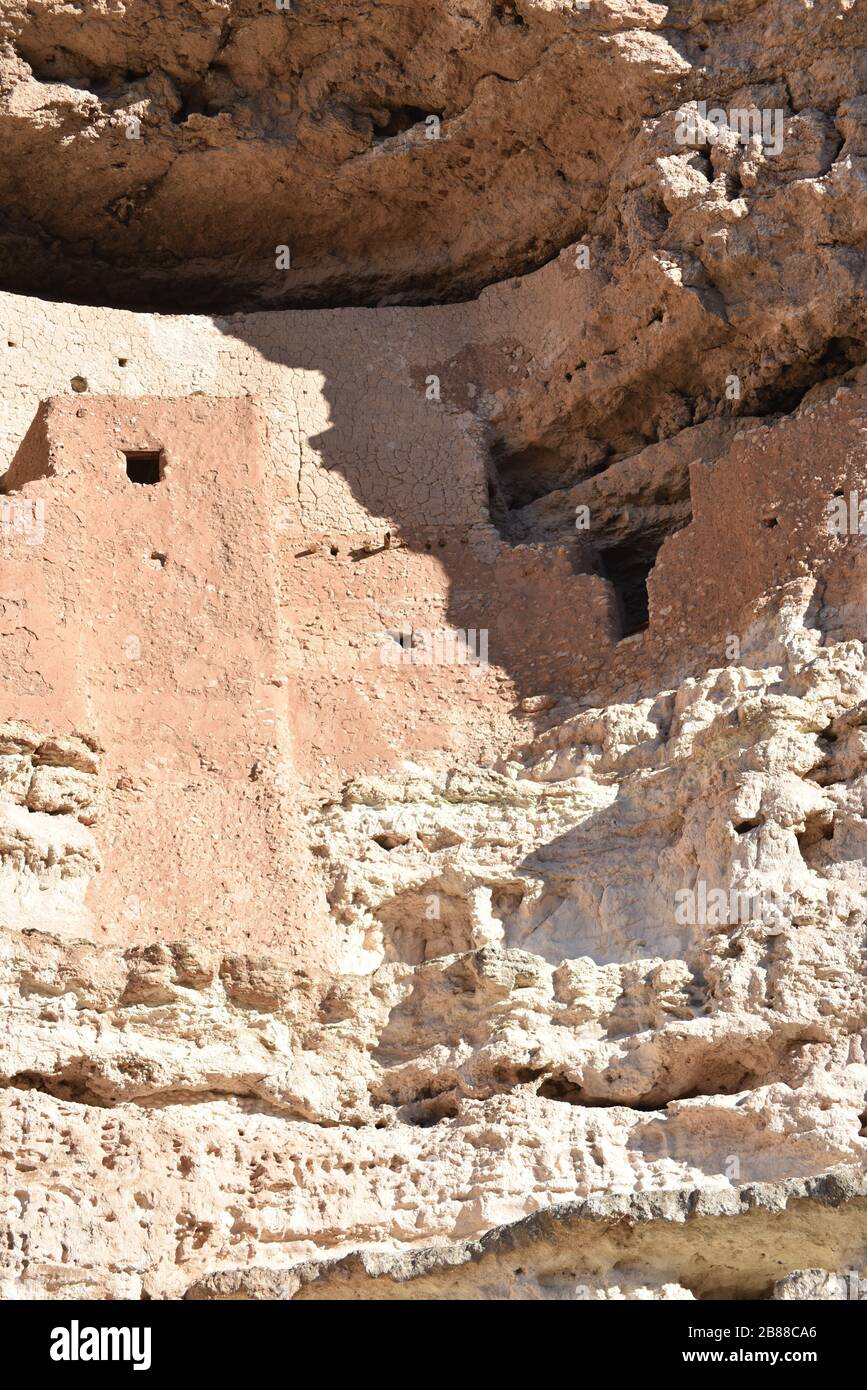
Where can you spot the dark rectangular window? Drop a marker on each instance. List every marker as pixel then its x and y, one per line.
pixel 144 466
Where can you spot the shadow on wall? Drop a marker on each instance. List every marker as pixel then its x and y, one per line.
pixel 423 472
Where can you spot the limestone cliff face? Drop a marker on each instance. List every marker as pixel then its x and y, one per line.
pixel 433 845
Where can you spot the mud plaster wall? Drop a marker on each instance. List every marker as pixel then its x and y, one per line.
pixel 308 441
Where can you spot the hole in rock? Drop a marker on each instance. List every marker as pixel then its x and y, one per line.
pixel 389 840
pixel 818 827
pixel 144 466
pixel 506 12
pixel 400 119
pixel 559 1088
pixel 742 826
pixel 426 1113
pixel 194 103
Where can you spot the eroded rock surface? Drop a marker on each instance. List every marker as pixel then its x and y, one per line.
pixel 521 1019
pixel 433 845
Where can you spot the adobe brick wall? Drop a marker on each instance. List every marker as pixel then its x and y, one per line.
pixel 147 618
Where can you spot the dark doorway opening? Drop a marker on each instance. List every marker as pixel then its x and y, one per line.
pixel 627 567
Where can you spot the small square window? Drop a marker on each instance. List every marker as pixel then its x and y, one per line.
pixel 144 466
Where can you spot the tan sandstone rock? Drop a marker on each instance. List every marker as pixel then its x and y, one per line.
pixel 433 790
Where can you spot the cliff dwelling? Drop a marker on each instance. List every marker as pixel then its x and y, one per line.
pixel 421 427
